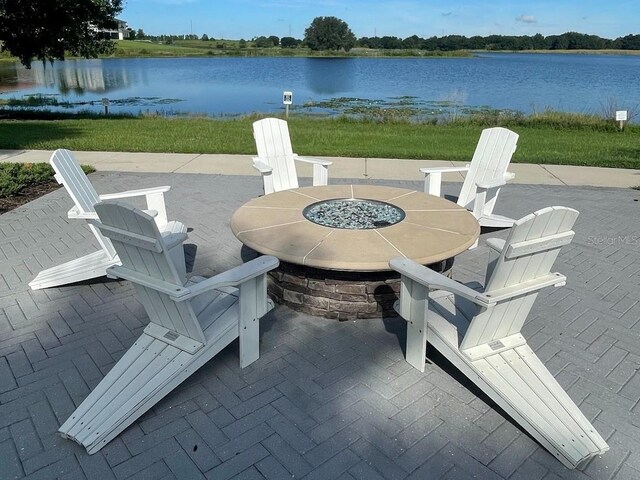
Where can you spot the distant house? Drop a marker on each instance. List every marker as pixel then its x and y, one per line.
pixel 119 33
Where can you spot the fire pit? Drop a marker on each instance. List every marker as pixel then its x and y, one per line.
pixel 353 213
pixel 335 242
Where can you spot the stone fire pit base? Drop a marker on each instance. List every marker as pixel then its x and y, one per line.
pixel 335 294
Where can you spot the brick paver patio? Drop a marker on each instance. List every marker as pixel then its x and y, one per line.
pixel 326 399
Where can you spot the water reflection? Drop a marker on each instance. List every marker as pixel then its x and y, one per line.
pixel 329 76
pixel 70 76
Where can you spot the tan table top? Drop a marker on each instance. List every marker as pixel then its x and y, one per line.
pixel 434 229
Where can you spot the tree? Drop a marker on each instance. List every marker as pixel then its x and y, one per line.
pixel 329 33
pixel 391 43
pixel 412 42
pixel 46 29
pixel 275 40
pixel 140 35
pixel 289 42
pixel 242 43
pixel 205 37
pixel 263 42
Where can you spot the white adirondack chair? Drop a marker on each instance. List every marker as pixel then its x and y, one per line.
pixel 486 173
pixel 189 323
pixel 68 173
pixel 479 331
pixel 276 160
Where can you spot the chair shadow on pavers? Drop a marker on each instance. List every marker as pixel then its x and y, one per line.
pixel 70 175
pixel 479 331
pixel 486 174
pixel 189 323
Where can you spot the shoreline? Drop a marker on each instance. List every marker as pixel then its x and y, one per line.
pixel 177 51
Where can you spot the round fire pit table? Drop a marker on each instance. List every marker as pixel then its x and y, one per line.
pixel 335 242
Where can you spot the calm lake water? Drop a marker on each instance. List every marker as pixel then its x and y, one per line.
pixel 231 86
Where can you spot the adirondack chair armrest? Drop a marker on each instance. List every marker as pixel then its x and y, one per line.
pixel 155 201
pixel 430 170
pixel 502 294
pixel 168 288
pixel 493 183
pixel 496 244
pixel 433 177
pixel 261 166
pixel 320 169
pixel 316 161
pixel 173 239
pixel 135 193
pixel 436 281
pixel 74 213
pixel 230 278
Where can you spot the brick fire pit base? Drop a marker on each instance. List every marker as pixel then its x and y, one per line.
pixel 338 294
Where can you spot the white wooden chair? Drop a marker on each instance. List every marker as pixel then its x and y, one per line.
pixel 189 323
pixel 68 173
pixel 276 160
pixel 486 173
pixel 479 331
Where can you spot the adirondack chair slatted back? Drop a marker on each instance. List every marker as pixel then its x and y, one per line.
pixel 528 255
pixel 274 148
pixel 143 251
pixel 490 161
pixel 69 174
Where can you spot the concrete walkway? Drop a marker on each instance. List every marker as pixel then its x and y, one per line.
pixel 343 167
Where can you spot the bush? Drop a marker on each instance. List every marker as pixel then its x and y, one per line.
pixel 16 176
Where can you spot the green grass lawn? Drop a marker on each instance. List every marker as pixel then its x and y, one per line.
pixel 551 144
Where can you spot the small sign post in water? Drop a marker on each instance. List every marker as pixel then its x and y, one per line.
pixel 287 99
pixel 105 104
pixel 621 116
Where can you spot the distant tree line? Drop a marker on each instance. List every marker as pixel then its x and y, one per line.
pixel 565 41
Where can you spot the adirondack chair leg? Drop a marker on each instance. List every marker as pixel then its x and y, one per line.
pixel 84 268
pixel 253 305
pixel 479 203
pixel 320 174
pixel 417 344
pixel 412 307
pixel 267 180
pixel 432 183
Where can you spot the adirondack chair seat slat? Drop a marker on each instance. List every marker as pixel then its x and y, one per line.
pixel 486 173
pixel 190 322
pixel 484 341
pixel 70 175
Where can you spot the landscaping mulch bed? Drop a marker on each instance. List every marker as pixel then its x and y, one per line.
pixel 28 193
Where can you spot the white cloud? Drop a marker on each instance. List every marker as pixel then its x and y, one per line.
pixel 526 19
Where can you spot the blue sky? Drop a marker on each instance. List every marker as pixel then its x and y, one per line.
pixel 234 19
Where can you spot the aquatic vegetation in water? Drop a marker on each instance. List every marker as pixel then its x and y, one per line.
pixel 51 100
pixel 37 100
pixel 401 108
pixel 143 101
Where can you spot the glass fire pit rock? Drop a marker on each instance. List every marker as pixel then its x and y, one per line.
pixel 353 214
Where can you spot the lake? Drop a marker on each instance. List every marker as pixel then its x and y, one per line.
pixel 232 86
